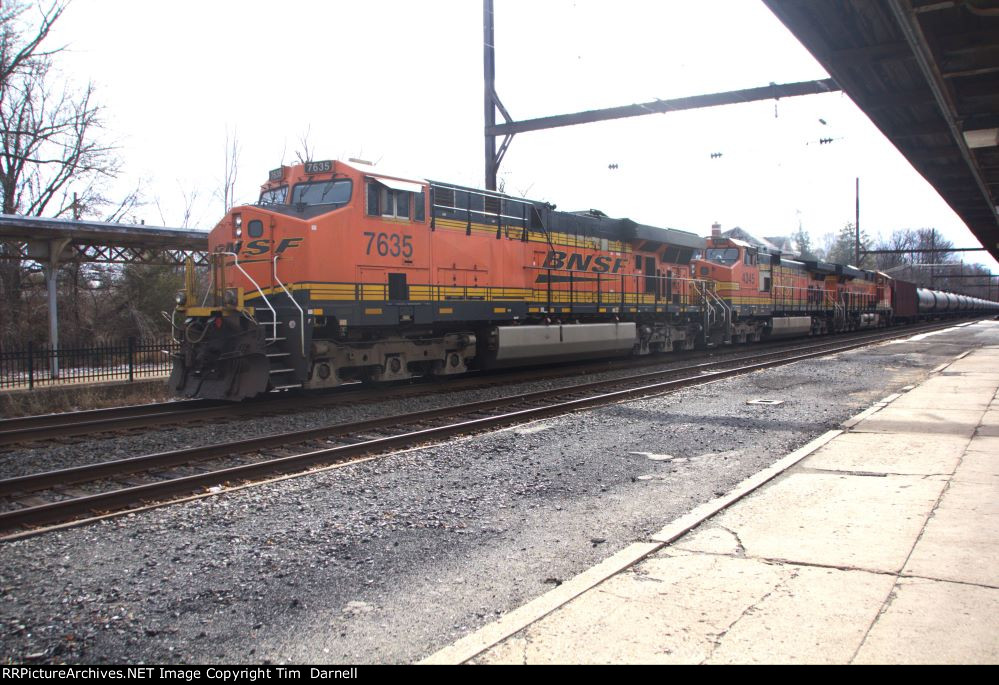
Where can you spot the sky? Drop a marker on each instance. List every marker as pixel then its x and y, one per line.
pixel 400 84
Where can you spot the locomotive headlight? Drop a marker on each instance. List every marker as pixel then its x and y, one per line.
pixel 180 298
pixel 237 219
pixel 230 298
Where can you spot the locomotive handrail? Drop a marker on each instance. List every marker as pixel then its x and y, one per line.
pixel 173 326
pixel 726 309
pixel 274 321
pixel 590 290
pixel 301 312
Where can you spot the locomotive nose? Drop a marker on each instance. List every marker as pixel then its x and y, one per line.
pixel 244 224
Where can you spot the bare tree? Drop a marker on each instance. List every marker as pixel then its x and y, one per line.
pixel 900 243
pixel 16 51
pixel 232 150
pixel 306 151
pixel 923 256
pixel 116 212
pixel 53 161
pixel 50 134
pixel 189 206
pixel 932 239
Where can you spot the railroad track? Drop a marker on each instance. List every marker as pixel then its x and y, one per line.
pixel 99 489
pixel 75 426
pixel 59 427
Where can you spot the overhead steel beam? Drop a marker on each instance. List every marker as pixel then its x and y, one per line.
pixel 773 91
pixel 925 249
pixel 492 102
pixel 970 276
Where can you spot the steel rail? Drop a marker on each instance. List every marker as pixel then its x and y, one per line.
pixel 119 467
pixel 46 420
pixel 68 424
pixel 67 509
pixel 49 427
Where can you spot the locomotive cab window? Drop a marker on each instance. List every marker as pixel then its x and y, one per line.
pixel 386 202
pixel 373 197
pixel 724 256
pixel 333 193
pixel 401 204
pixel 274 196
pixel 395 199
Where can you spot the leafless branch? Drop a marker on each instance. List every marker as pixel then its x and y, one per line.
pixel 305 151
pixel 232 150
pixel 15 54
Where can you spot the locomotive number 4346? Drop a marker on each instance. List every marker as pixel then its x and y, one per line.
pixel 390 244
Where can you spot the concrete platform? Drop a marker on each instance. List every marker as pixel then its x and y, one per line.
pixel 876 544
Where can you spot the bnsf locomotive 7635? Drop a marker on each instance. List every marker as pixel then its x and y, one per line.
pixel 341 273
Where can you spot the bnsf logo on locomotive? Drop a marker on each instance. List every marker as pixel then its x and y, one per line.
pixel 255 248
pixel 574 261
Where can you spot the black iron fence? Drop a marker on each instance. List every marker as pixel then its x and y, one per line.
pixel 32 365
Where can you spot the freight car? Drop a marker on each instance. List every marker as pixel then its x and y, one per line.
pixel 341 273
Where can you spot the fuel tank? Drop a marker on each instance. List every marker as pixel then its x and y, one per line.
pixel 511 345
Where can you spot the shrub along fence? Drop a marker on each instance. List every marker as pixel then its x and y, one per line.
pixel 31 365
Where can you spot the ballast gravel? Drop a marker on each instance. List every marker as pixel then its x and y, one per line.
pixel 390 559
pixel 47 457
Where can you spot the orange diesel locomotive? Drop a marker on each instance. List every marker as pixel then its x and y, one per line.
pixel 341 272
pixel 771 294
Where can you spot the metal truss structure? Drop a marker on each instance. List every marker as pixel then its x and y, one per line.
pixel 62 240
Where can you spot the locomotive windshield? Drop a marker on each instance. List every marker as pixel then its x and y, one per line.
pixel 274 196
pixel 322 193
pixel 725 257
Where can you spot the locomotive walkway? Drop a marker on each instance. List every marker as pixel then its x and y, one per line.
pixel 875 544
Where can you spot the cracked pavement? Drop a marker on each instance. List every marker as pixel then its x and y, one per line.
pixel 878 546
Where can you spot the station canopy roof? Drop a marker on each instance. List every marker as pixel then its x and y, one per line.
pixel 927 74
pixel 95 241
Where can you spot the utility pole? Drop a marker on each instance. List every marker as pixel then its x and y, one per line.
pixel 489 69
pixel 856 226
pixel 933 246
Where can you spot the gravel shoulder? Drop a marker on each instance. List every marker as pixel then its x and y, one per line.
pixel 390 559
pixel 47 457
